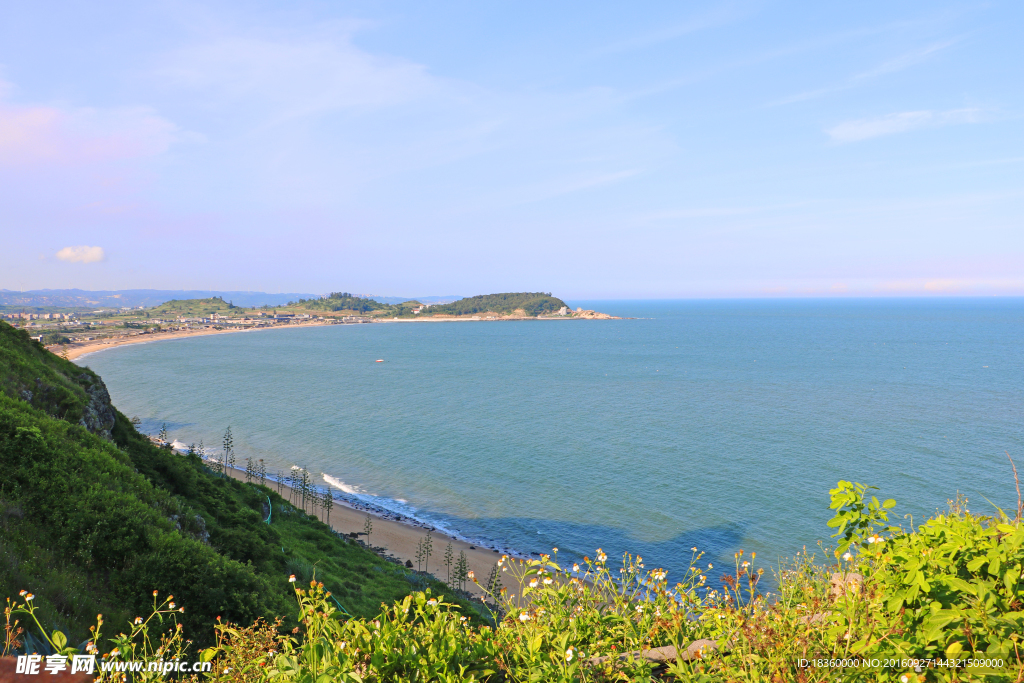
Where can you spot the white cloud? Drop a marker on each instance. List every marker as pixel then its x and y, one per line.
pixel 864 129
pixel 81 254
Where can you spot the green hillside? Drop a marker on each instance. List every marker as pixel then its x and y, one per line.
pixel 341 301
pixel 94 517
pixel 533 303
pixel 194 308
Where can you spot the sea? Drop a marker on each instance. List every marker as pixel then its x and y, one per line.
pixel 718 425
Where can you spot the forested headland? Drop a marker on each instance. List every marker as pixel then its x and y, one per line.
pixel 525 304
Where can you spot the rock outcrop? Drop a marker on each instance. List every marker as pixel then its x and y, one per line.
pixel 592 315
pixel 98 414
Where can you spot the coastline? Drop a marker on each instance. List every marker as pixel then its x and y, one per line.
pixel 75 351
pixel 399 535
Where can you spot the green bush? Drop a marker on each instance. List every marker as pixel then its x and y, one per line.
pixel 943 593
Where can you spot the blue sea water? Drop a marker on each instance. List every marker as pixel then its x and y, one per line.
pixel 715 424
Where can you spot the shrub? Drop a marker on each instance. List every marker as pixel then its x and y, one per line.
pixel 936 596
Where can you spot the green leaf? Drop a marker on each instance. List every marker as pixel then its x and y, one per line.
pixel 889 504
pixel 59 640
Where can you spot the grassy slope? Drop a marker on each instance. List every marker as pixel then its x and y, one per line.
pixel 92 526
pixel 32 373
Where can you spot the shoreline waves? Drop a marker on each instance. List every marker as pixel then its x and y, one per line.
pixel 396 532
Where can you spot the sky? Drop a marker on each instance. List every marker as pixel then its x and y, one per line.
pixel 591 149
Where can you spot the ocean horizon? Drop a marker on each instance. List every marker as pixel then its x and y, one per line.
pixel 715 424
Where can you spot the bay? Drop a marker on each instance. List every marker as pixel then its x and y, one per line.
pixel 712 424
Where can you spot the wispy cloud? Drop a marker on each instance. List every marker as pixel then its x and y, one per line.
pixel 33 135
pixel 719 211
pixel 948 285
pixel 831 41
pixel 864 129
pixel 81 254
pixel 295 78
pixel 710 19
pixel 542 191
pixel 904 61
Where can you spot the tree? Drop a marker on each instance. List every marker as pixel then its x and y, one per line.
pixel 419 555
pixel 494 582
pixel 367 528
pixel 250 471
pixel 328 503
pixel 462 570
pixel 304 486
pixel 314 500
pixel 163 433
pixel 261 472
pixel 136 421
pixel 229 455
pixel 449 558
pixel 428 550
pixel 293 483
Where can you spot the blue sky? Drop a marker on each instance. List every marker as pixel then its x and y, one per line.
pixel 672 149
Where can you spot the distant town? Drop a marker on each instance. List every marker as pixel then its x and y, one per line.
pixel 71 328
pixel 55 327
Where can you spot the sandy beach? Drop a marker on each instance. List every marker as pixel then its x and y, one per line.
pixel 79 350
pixel 399 539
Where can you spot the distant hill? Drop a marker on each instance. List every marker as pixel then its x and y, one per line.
pixel 198 303
pixel 342 301
pixel 526 303
pixel 421 299
pixel 532 303
pixel 193 308
pixel 133 298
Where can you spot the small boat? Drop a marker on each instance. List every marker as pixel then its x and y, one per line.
pixel 379 360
